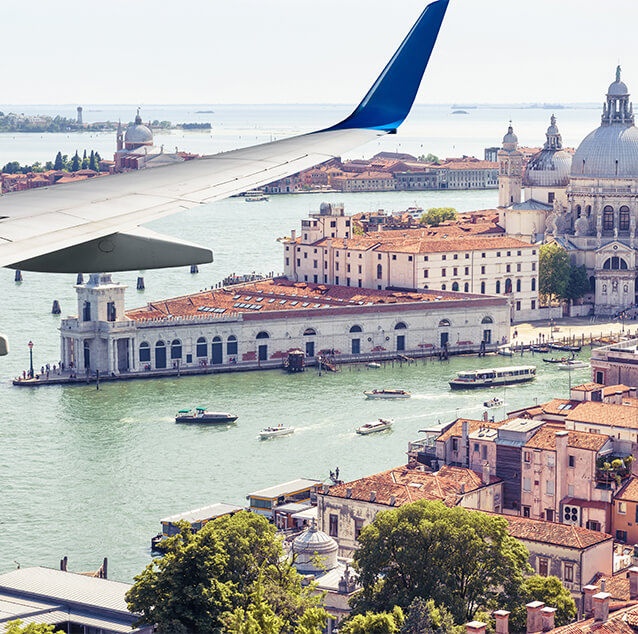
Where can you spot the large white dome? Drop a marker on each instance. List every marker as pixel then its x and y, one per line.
pixel 138 133
pixel 608 152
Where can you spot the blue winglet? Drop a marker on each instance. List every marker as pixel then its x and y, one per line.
pixel 390 99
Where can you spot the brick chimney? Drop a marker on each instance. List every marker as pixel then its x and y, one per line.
pixel 547 618
pixel 534 622
pixel 486 472
pixel 588 602
pixel 633 582
pixel 601 606
pixel 502 621
pixel 476 627
pixel 562 437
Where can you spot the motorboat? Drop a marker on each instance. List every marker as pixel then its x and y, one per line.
pixel 202 415
pixel 373 364
pixel 491 377
pixel 573 364
pixel 255 196
pixel 274 432
pixel 387 394
pixel 370 428
pixel 494 402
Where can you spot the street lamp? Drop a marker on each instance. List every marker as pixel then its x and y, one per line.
pixel 30 344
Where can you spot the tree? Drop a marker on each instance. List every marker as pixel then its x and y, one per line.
pixel 428 158
pixel 205 578
pixel 547 589
pixel 12 167
pixel 553 270
pixel 59 163
pixel 463 560
pixel 578 284
pixel 424 617
pixel 437 215
pixel 93 162
pixel 15 627
pixel 75 163
pixel 374 623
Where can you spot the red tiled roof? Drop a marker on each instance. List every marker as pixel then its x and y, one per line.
pixel 622 619
pixel 587 387
pixel 608 414
pixel 409 485
pixel 473 425
pixel 629 491
pixel 545 438
pixel 615 389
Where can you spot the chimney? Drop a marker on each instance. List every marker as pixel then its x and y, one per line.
pixel 588 603
pixel 561 467
pixel 373 496
pixel 348 492
pixel 476 627
pixel 502 621
pixel 547 618
pixel 486 472
pixel 601 606
pixel 462 488
pixel 465 444
pixel 633 582
pixel 293 234
pixel 393 501
pixel 534 623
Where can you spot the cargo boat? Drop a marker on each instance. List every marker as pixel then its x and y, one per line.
pixel 491 377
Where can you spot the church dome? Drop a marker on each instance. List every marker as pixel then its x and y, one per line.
pixel 510 137
pixel 610 151
pixel 315 552
pixel 138 133
pixel 551 166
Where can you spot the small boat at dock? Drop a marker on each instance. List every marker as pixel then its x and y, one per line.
pixel 491 377
pixel 370 428
pixel 494 402
pixel 564 347
pixel 542 349
pixel 505 351
pixel 202 415
pixel 387 394
pixel 274 432
pixel 373 364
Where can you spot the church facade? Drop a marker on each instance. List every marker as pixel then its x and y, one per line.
pixel 587 203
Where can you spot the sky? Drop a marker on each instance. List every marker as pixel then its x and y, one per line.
pixel 295 51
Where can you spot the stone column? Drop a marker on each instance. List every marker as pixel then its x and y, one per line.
pixel 132 354
pixel 109 354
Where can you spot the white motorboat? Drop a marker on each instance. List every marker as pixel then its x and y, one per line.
pixel 494 402
pixel 505 351
pixel 490 377
pixel 374 364
pixel 274 432
pixel 387 394
pixel 370 428
pixel 572 364
pixel 255 196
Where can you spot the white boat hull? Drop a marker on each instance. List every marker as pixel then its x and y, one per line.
pixel 265 434
pixel 386 395
pixel 573 366
pixel 372 428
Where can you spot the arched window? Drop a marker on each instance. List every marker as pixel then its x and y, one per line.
pixel 615 264
pixel 231 345
pixel 443 287
pixel 201 347
pixel 145 352
pixel 518 286
pixel 379 272
pixel 216 339
pixel 482 288
pixel 487 320
pixel 355 329
pixel 444 323
pixel 466 288
pixel 455 286
pixel 608 218
pixel 400 326
pixel 263 335
pixel 508 285
pixel 160 354
pixel 176 349
pixel 623 218
pixel 309 332
pixel 498 286
pixel 578 210
pixel 533 283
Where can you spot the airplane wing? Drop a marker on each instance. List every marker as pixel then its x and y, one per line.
pixel 94 225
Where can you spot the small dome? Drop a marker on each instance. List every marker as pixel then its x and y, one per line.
pixel 618 88
pixel 315 551
pixel 510 137
pixel 548 168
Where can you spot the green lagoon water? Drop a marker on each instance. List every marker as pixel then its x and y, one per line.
pixel 89 473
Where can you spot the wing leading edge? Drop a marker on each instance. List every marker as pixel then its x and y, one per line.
pixel 93 225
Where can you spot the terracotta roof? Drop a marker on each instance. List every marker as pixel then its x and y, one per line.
pixel 409 485
pixel 587 387
pixel 473 425
pixel 545 438
pixel 617 585
pixel 559 406
pixel 281 294
pixel 615 389
pixel 564 535
pixel 608 414
pixel 629 491
pixel 623 619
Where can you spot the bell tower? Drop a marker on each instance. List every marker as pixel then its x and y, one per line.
pixel 510 170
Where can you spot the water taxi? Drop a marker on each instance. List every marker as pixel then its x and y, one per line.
pixel 490 377
pixel 202 415
pixel 370 428
pixel 255 196
pixel 273 432
pixel 387 394
pixel 494 402
pixel 573 364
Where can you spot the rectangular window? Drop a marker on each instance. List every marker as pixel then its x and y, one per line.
pixel 455 444
pixel 467 256
pixel 484 452
pixel 508 268
pixel 298 262
pixel 498 254
pixel 568 574
pixel 621 507
pixel 110 311
pixel 394 257
pixel 456 256
pixel 533 304
pixel 527 485
pixel 533 266
pixel 543 566
pixel 409 258
pixel 334 525
pixel 593 525
pixel 482 270
pixel 425 273
pixel 442 272
pixel 287 261
pixel 482 255
pixel 444 257
pixel 305 256
pixel 358 527
pixel 526 511
pixel 549 487
pixel 518 267
pixel 348 268
pixel 476 447
pixel 314 264
pixel 550 197
pixel 551 459
pixel 621 536
pixel 571 460
pixel 527 456
pixel 455 271
pixel 518 305
pixel 425 258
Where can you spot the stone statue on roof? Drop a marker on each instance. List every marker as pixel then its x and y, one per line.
pixel 618 72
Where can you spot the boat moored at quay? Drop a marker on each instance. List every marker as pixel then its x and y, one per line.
pixel 491 377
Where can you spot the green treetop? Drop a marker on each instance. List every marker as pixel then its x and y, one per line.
pixel 437 215
pixel 15 627
pixel 553 271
